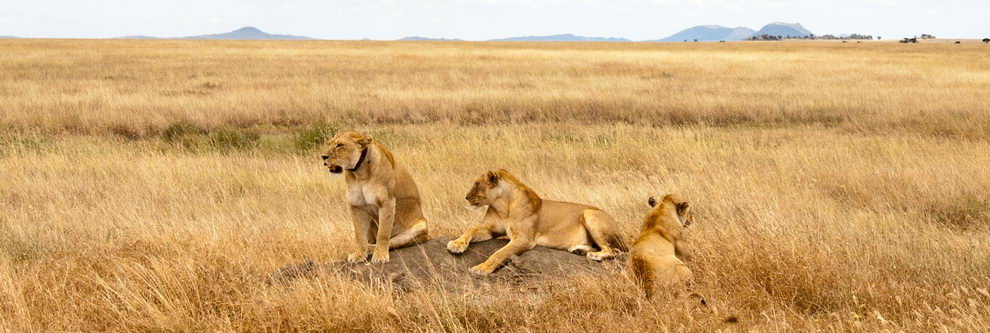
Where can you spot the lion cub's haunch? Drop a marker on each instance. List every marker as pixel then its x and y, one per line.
pixel 384 200
pixel 515 210
pixel 653 258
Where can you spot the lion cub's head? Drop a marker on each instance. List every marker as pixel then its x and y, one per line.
pixel 672 205
pixel 486 189
pixel 344 151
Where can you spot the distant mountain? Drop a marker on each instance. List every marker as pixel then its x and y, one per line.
pixel 560 38
pixel 245 33
pixel 418 38
pixel 783 29
pixel 709 33
pixel 8 37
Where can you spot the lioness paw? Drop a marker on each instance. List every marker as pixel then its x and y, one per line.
pixel 479 270
pixel 379 258
pixel 456 246
pixel 357 257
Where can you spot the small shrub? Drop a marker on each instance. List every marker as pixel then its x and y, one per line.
pixel 233 139
pixel 179 130
pixel 314 136
pixel 194 137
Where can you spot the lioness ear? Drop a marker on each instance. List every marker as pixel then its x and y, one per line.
pixel 492 177
pixel 682 208
pixel 652 202
pixel 364 141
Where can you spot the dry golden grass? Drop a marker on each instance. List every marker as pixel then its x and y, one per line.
pixel 141 87
pixel 153 185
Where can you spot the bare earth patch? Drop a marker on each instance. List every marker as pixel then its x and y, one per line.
pixel 429 263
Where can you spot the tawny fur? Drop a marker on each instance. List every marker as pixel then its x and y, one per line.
pixel 517 211
pixel 655 259
pixel 383 198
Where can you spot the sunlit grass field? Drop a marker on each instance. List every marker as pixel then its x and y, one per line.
pixel 154 185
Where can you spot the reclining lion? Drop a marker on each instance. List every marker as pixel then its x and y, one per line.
pixel 515 210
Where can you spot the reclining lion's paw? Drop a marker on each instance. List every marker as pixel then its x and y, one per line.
pixel 580 249
pixel 480 270
pixel 599 256
pixel 456 246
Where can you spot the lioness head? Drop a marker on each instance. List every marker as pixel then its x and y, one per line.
pixel 681 206
pixel 344 151
pixel 485 190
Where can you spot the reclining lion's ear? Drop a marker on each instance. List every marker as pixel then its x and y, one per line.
pixel 492 177
pixel 652 202
pixel 682 207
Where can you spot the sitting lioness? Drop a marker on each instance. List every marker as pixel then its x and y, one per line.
pixel 653 258
pixel 515 210
pixel 384 200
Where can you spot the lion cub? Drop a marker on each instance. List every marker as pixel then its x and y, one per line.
pixel 384 200
pixel 653 258
pixel 515 210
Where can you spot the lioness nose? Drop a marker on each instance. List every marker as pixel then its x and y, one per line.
pixel 325 157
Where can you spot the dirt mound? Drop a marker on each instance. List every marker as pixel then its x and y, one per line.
pixel 430 264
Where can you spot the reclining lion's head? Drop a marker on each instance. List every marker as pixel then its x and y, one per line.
pixel 344 151
pixel 486 189
pixel 683 209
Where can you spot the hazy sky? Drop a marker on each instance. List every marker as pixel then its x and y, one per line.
pixel 485 19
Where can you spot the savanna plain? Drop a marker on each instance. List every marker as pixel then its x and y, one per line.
pixel 154 185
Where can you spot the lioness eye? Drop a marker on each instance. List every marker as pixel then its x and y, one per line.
pixel 339 145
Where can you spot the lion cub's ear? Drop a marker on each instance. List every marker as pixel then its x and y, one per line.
pixel 492 177
pixel 652 202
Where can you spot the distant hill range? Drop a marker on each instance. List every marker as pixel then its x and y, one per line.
pixel 709 33
pixel 8 37
pixel 245 33
pixel 712 33
pixel 783 29
pixel 418 38
pixel 703 33
pixel 560 38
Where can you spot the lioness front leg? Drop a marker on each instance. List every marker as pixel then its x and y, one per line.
pixel 515 246
pixel 362 220
pixel 386 217
pixel 478 233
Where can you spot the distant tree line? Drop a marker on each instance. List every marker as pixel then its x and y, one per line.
pixel 850 37
pixel 814 37
pixel 911 40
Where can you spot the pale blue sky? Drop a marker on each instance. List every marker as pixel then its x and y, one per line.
pixel 485 19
